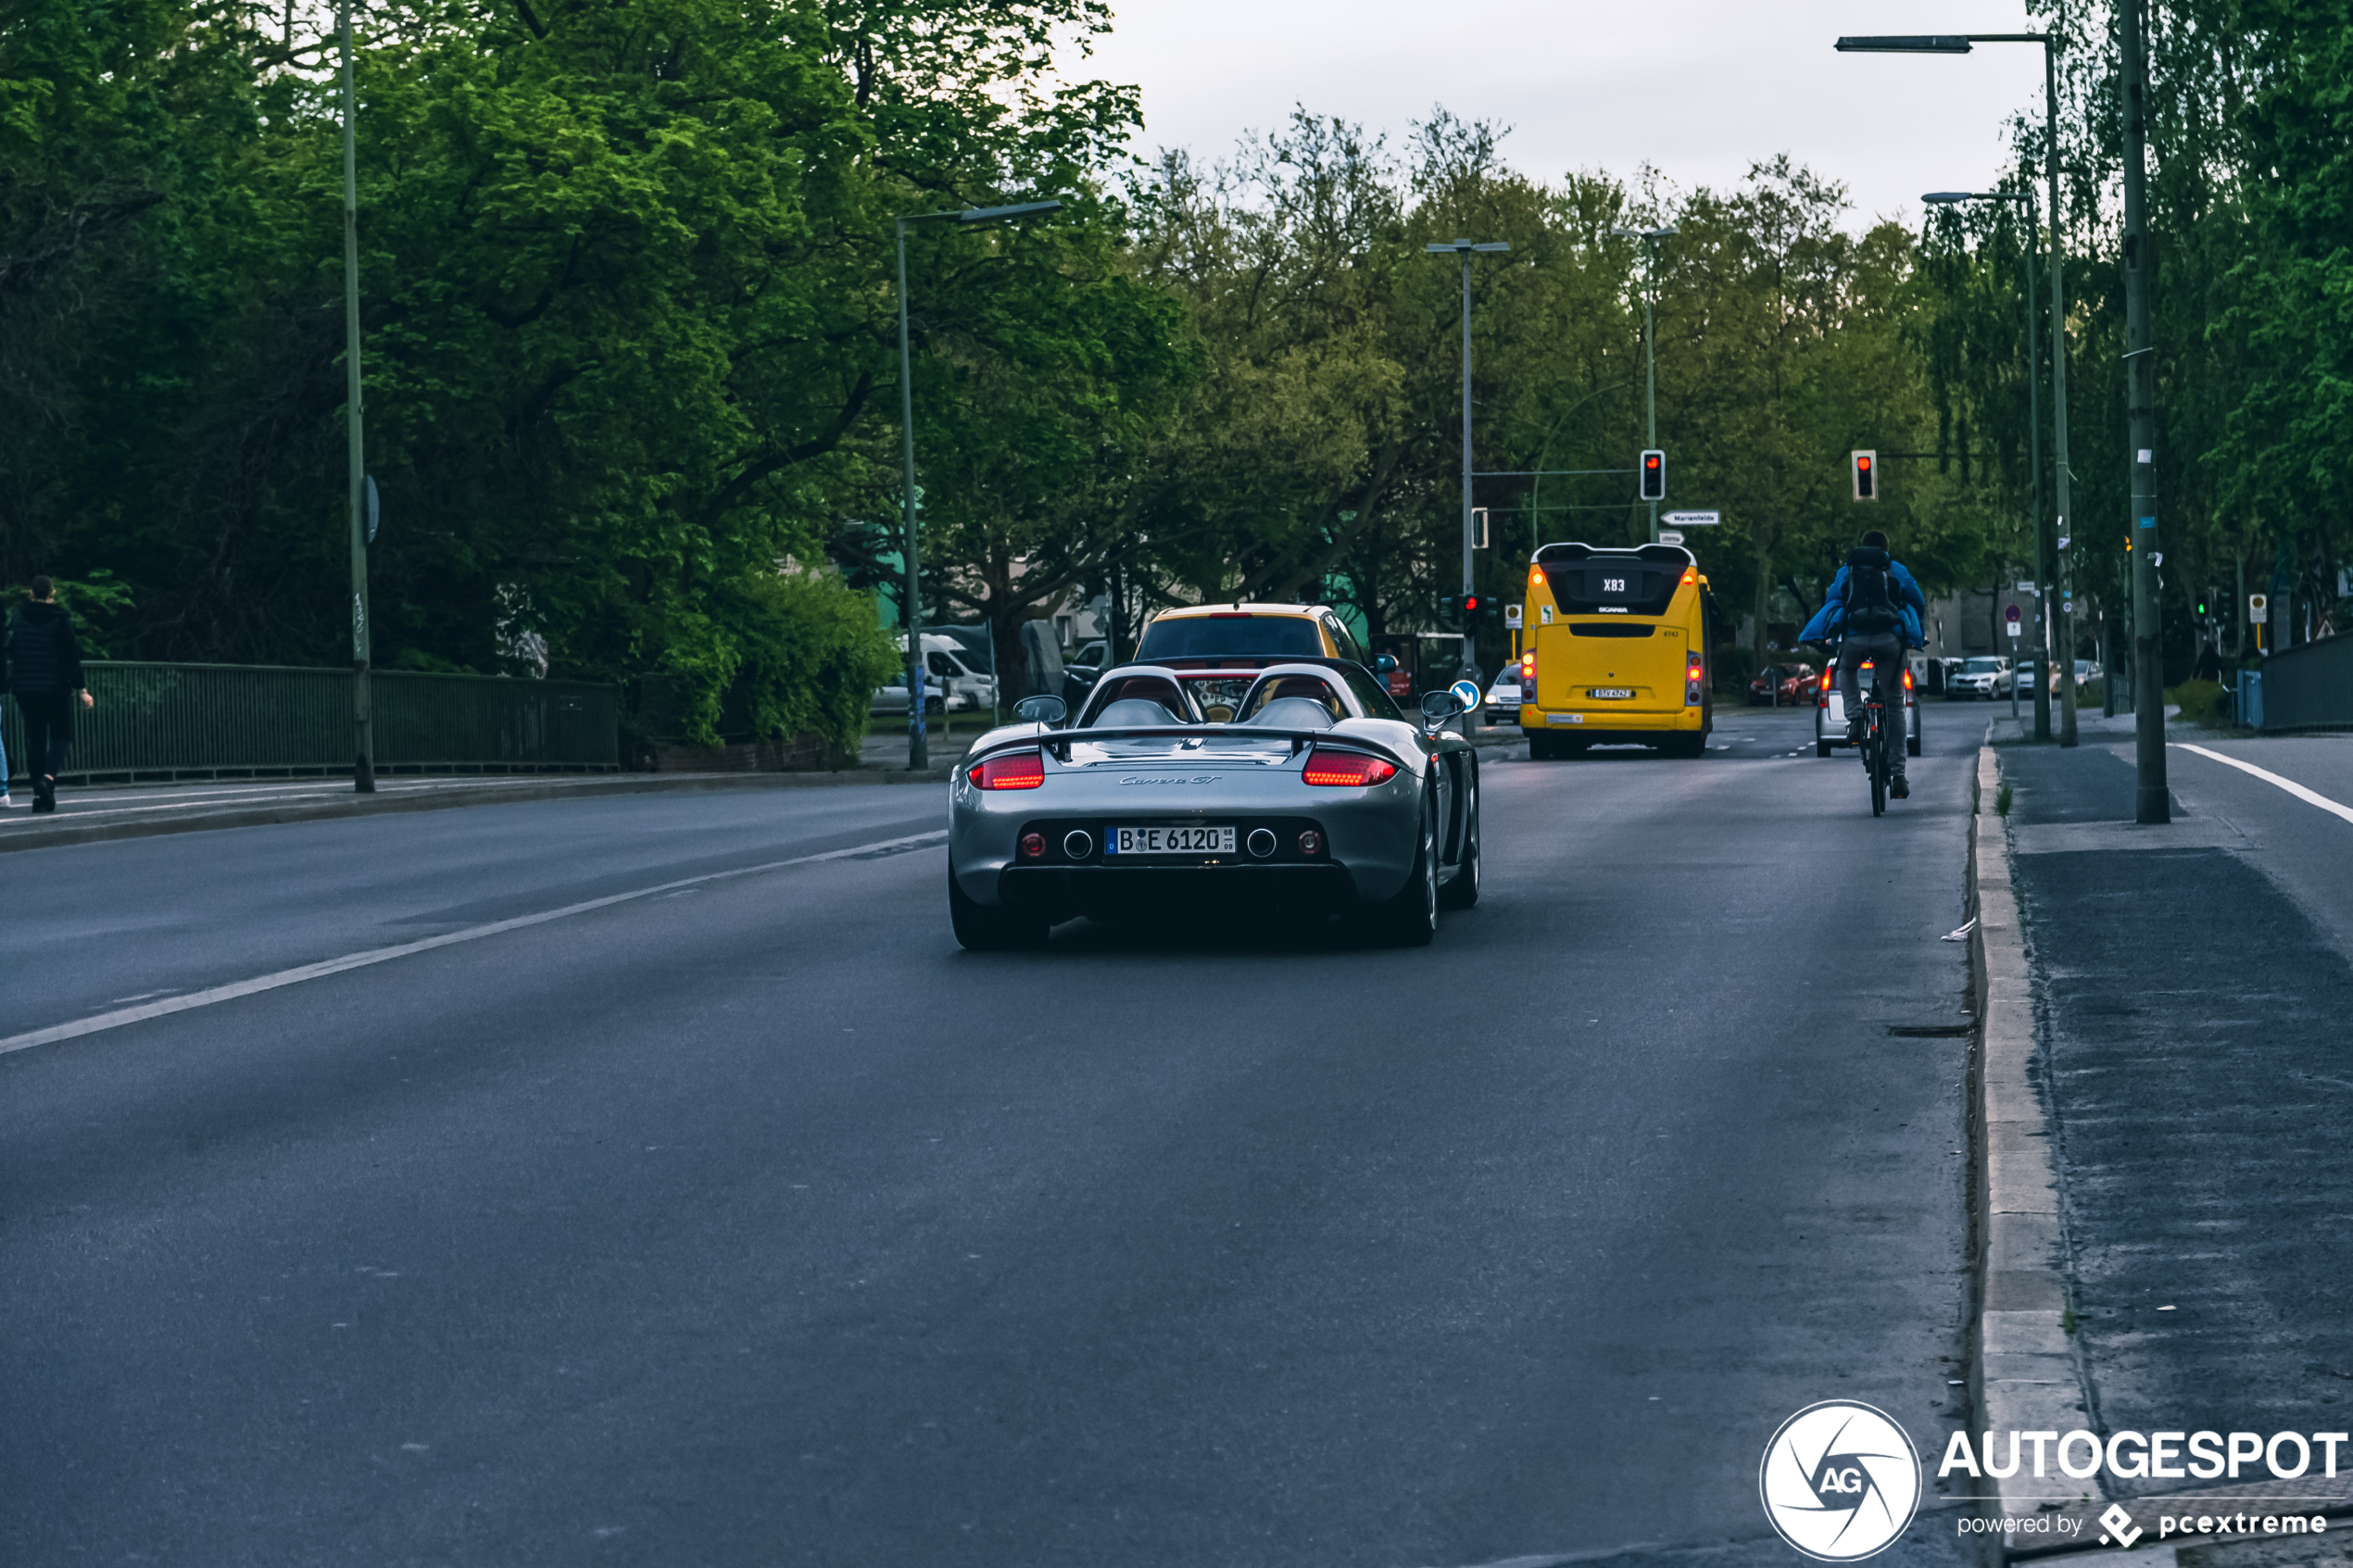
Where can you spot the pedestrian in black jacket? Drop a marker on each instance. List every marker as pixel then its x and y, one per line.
pixel 43 669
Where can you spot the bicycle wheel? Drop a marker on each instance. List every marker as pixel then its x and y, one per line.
pixel 1877 741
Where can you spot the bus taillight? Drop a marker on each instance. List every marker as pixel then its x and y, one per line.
pixel 1695 676
pixel 1527 676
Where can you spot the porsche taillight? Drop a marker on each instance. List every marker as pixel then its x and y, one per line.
pixel 1020 770
pixel 1346 770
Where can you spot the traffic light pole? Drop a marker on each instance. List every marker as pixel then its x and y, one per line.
pixel 1465 248
pixel 2150 803
pixel 1469 585
pixel 1650 350
pixel 2064 639
pixel 918 754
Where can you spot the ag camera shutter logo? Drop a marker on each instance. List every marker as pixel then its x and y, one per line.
pixel 1839 1481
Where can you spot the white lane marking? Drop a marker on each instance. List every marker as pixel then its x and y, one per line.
pixel 2311 798
pixel 120 1016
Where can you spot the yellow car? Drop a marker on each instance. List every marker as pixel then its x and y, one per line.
pixel 1616 650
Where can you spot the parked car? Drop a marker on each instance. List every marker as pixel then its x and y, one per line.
pixel 1502 697
pixel 2085 673
pixel 1987 677
pixel 950 683
pixel 1789 684
pixel 1080 670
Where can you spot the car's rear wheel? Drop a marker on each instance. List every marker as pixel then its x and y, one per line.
pixel 1410 918
pixel 985 930
pixel 1821 748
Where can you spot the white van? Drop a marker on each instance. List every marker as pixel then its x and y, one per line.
pixel 950 683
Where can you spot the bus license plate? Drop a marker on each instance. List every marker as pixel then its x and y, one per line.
pixel 1619 692
pixel 1170 841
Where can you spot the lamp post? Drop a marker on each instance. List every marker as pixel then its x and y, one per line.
pixel 1466 249
pixel 1650 238
pixel 912 614
pixel 2050 542
pixel 363 767
pixel 2034 441
pixel 2150 802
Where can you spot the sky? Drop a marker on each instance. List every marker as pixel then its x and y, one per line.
pixel 1699 88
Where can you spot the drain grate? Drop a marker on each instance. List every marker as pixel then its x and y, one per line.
pixel 1930 1031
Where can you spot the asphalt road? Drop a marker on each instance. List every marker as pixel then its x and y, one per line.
pixel 753 1222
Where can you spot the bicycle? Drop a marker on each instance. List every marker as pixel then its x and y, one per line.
pixel 1874 747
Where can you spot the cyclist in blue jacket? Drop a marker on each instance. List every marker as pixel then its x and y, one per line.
pixel 1872 613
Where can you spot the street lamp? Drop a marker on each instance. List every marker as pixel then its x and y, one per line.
pixel 1650 238
pixel 2049 568
pixel 917 759
pixel 2034 441
pixel 1466 249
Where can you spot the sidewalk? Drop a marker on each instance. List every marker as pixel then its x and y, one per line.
pixel 2193 1056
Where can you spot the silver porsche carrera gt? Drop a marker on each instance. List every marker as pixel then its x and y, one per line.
pixel 1293 787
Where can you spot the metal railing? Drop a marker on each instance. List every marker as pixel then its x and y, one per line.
pixel 2309 687
pixel 233 721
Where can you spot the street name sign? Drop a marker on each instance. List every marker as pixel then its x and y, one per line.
pixel 1691 519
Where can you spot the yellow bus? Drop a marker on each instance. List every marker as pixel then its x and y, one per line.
pixel 1616 649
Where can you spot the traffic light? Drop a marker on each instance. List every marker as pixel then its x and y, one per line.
pixel 1464 610
pixel 2201 606
pixel 1866 470
pixel 1654 475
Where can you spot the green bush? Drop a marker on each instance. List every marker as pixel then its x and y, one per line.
pixel 2202 702
pixel 781 654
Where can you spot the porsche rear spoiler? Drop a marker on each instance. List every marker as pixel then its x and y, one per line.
pixel 1059 741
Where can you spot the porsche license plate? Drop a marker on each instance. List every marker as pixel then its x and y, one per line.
pixel 1617 693
pixel 1170 841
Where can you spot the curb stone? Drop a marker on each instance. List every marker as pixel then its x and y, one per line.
pixel 67 830
pixel 2024 1359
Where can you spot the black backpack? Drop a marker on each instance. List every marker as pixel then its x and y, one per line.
pixel 1871 592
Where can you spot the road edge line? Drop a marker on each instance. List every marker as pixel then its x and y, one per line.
pixel 2309 797
pixel 64 834
pixel 2023 1360
pixel 212 996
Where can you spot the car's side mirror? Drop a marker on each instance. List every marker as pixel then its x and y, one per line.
pixel 1041 709
pixel 1383 665
pixel 1437 707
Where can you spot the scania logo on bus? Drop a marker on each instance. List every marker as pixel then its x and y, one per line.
pixel 1839 1481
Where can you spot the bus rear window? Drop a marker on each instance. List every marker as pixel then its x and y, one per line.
pixel 1216 636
